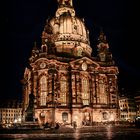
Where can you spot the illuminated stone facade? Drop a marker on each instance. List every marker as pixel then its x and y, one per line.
pixel 10 112
pixel 67 82
pixel 127 108
pixel 137 101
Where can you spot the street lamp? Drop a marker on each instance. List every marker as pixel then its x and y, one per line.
pixel 52 71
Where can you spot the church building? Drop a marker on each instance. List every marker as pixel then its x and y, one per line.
pixel 67 82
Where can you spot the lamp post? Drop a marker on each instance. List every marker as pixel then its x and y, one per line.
pixel 53 71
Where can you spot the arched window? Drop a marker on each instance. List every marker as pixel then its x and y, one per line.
pixel 79 51
pixel 102 92
pixel 44 48
pixel 43 90
pixel 105 115
pixel 64 116
pixel 63 90
pixel 85 91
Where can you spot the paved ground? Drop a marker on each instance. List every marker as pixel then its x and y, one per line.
pixel 85 133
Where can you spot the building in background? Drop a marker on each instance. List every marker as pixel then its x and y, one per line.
pixel 68 83
pixel 127 109
pixel 137 101
pixel 10 113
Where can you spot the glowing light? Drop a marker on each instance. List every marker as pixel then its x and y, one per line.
pixel 76 117
pixel 19 119
pixel 15 121
pixel 111 118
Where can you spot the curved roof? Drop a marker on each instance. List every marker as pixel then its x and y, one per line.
pixel 67 31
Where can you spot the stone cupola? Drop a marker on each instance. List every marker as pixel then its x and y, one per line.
pixel 67 31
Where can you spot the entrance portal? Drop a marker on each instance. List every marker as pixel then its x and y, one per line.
pixel 86 118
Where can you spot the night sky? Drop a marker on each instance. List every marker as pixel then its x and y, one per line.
pixel 23 22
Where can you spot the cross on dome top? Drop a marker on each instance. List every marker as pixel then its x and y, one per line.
pixel 65 3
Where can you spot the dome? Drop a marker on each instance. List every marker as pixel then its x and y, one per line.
pixel 69 32
pixel 68 27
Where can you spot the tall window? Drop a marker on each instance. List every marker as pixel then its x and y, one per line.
pixel 102 94
pixel 43 89
pixel 63 90
pixel 85 91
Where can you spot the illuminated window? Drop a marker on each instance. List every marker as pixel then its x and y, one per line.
pixel 105 115
pixel 79 51
pixel 63 90
pixel 43 89
pixel 85 93
pixel 102 94
pixel 64 116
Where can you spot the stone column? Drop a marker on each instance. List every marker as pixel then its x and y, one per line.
pixel 35 83
pixel 73 87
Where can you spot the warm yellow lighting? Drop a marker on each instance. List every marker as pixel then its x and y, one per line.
pixel 15 121
pixel 76 117
pixel 19 119
pixel 111 118
pixel 67 83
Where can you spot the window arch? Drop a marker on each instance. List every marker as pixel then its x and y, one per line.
pixel 65 116
pixel 105 115
pixel 43 90
pixel 63 90
pixel 79 51
pixel 102 92
pixel 85 91
pixel 44 48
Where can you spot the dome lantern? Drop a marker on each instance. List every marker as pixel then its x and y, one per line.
pixel 65 3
